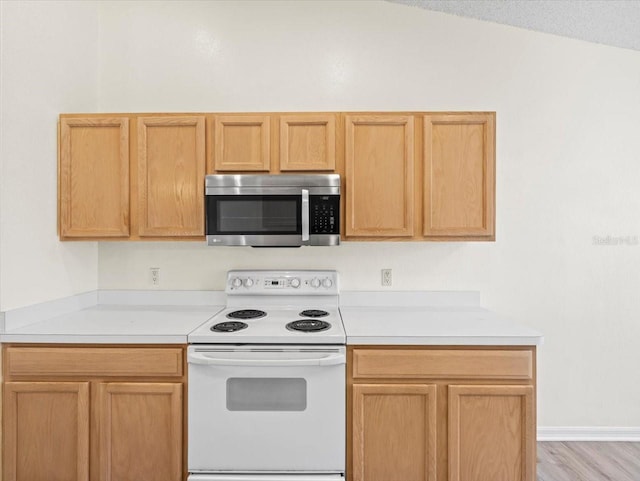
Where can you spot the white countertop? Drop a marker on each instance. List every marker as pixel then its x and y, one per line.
pixel 429 325
pixel 369 318
pixel 116 324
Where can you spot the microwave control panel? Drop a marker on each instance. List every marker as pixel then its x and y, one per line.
pixel 324 214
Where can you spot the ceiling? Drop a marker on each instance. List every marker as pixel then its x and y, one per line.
pixel 609 22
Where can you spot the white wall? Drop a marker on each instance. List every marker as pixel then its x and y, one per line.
pixel 567 162
pixel 49 65
pixel 568 150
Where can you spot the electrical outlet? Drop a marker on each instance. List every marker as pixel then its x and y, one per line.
pixel 154 276
pixel 386 277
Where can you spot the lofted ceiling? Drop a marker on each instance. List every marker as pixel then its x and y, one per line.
pixel 609 22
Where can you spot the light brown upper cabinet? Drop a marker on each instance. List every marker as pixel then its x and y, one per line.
pixel 158 192
pixel 94 177
pixel 406 176
pixel 459 176
pixel 171 169
pixel 274 143
pixel 379 170
pixel 242 143
pixel 308 142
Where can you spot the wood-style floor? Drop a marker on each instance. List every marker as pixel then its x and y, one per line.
pixel 588 461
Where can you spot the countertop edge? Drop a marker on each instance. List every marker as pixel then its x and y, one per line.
pixel 92 339
pixel 444 341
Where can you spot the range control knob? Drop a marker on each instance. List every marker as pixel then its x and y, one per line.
pixel 295 282
pixel 248 282
pixel 236 282
pixel 315 282
pixel 327 283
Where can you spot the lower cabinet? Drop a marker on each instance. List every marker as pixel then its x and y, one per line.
pixel 46 431
pixel 394 432
pixel 491 433
pixel 427 414
pixel 121 419
pixel 140 431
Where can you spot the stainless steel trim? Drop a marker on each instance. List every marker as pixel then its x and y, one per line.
pixel 284 184
pixel 272 190
pixel 293 240
pixel 305 215
pixel 270 180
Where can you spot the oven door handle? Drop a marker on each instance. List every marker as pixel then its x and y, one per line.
pixel 336 359
pixel 265 477
pixel 305 215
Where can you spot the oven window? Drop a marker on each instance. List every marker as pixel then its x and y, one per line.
pixel 266 394
pixel 258 214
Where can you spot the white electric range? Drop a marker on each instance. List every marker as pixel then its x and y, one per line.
pixel 277 307
pixel 267 381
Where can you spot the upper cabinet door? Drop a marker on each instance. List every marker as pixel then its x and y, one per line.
pixel 242 143
pixel 459 175
pixel 308 142
pixel 94 177
pixel 379 175
pixel 171 170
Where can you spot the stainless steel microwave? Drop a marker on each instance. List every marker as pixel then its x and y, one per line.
pixel 284 210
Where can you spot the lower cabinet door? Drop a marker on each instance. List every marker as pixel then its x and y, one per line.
pixel 140 431
pixel 394 432
pixel 491 433
pixel 46 431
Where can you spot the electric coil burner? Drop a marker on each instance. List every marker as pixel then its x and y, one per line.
pixel 246 314
pixel 308 325
pixel 314 313
pixel 229 326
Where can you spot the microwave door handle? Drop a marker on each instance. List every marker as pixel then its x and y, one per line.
pixel 196 358
pixel 305 215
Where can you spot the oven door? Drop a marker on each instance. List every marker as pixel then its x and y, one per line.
pixel 266 409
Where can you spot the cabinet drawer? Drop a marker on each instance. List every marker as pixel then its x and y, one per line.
pixel 468 364
pixel 99 361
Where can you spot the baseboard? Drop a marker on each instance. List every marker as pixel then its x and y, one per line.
pixel 596 433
